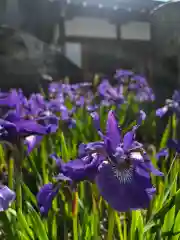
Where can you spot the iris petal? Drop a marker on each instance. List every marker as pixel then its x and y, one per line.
pixel 7 196
pixel 30 127
pixel 161 111
pixel 96 120
pixel 91 147
pixel 81 169
pixel 142 117
pixel 45 197
pixel 32 141
pixel 162 153
pixel 123 196
pixel 128 140
pixel 112 130
pixel 148 166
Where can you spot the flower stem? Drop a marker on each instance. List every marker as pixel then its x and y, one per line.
pixel 11 176
pixel 125 227
pixel 10 172
pixel 119 227
pixel 75 216
pixel 95 220
pixel 43 163
pixel 111 221
pixel 75 232
pixel 54 220
pixel 19 190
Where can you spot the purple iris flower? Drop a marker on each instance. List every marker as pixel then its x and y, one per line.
pixel 139 85
pixel 7 196
pixel 92 108
pixel 73 172
pixel 172 106
pixel 122 75
pixel 114 94
pixel 55 105
pixel 36 104
pixel 123 178
pixel 10 99
pixel 15 130
pixel 54 88
pixel 80 102
pixel 78 170
pixel 66 116
pixel 50 122
pixel 45 197
pixel 28 122
pixel 145 95
pixel 14 126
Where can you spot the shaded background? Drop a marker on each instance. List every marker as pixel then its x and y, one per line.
pixel 41 40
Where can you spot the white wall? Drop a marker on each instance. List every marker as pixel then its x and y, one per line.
pixel 136 31
pixel 73 52
pixel 101 28
pixel 90 27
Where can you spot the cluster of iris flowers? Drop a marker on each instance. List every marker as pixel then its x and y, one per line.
pixel 118 164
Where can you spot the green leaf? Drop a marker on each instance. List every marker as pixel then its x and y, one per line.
pixel 24 225
pixel 169 220
pixel 165 135
pixel 29 194
pixel 22 236
pixel 149 225
pixel 177 223
pixel 6 224
pixel 64 149
pixel 37 225
pixel 137 225
pixel 174 200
